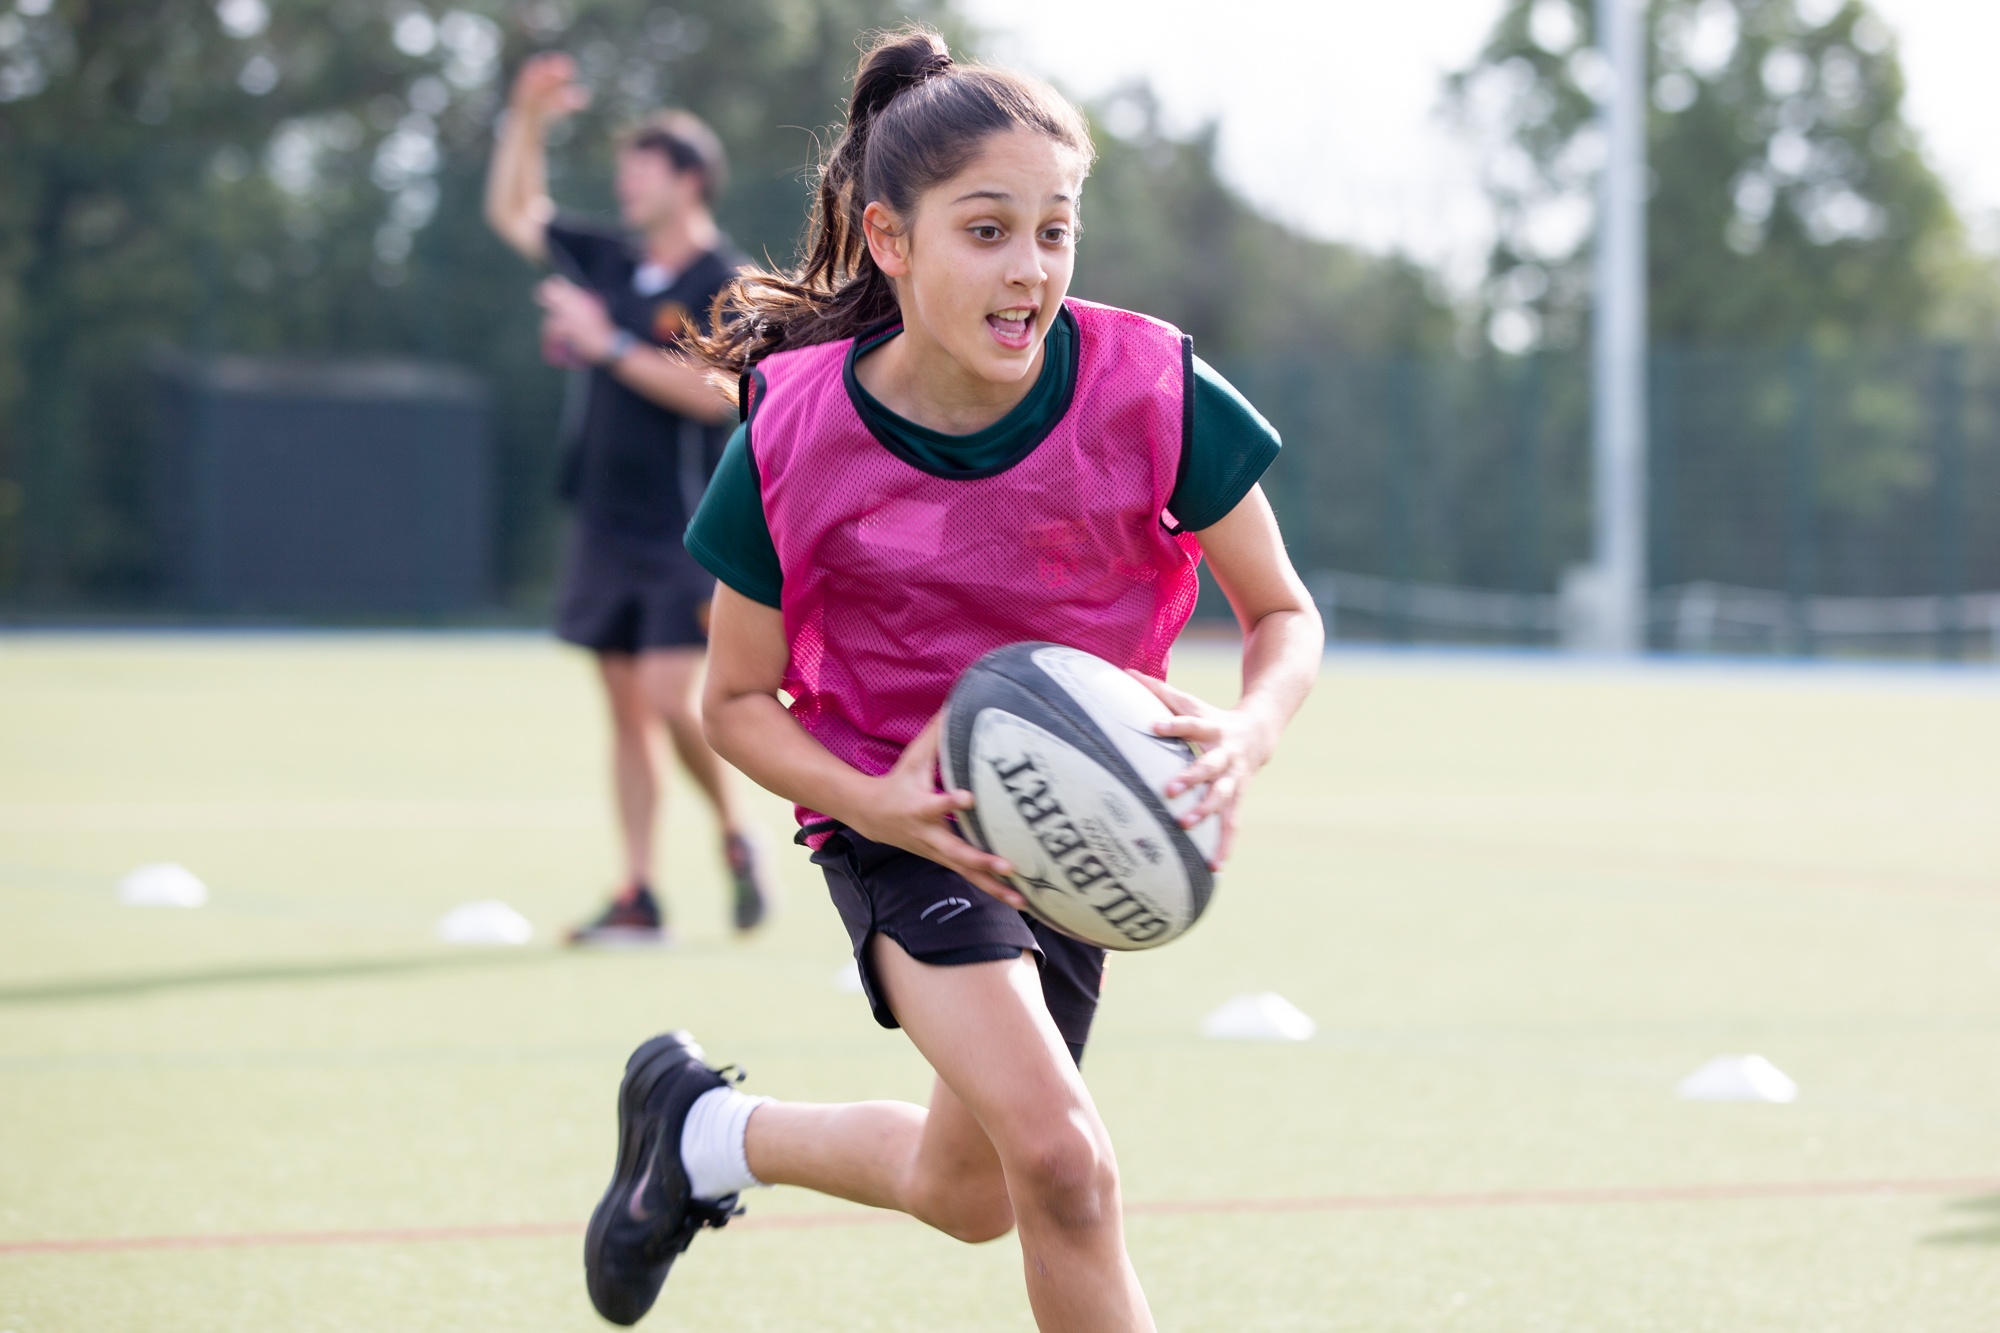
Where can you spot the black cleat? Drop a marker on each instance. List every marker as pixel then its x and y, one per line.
pixel 632 921
pixel 647 1217
pixel 746 871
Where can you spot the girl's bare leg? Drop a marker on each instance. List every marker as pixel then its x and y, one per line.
pixel 1011 1134
pixel 934 1164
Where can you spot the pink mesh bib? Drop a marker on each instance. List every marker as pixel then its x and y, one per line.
pixel 896 580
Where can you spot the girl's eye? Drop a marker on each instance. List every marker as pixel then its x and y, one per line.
pixel 987 233
pixel 1056 235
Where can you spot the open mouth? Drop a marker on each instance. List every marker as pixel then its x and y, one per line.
pixel 1013 328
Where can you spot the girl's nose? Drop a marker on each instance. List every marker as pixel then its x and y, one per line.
pixel 1026 269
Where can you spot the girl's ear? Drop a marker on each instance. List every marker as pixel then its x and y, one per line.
pixel 888 242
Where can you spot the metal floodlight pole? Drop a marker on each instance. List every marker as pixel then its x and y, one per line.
pixel 1618 351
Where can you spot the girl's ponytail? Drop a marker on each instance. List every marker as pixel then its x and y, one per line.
pixel 915 118
pixel 896 63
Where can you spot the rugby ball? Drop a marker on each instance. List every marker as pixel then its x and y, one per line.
pixel 1058 750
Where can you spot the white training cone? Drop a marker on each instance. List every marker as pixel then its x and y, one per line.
pixel 1738 1078
pixel 848 980
pixel 1262 1017
pixel 162 885
pixel 488 921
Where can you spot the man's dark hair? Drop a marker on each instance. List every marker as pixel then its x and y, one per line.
pixel 685 141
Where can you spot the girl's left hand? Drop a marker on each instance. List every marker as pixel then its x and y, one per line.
pixel 1234 745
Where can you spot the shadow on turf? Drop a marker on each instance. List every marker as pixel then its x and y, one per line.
pixel 1984 1223
pixel 261 974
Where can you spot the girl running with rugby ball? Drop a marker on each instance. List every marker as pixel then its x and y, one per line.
pixel 940 455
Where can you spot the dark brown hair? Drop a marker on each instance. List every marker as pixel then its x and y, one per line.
pixel 916 118
pixel 686 141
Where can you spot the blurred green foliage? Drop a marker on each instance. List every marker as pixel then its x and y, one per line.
pixel 1808 431
pixel 1790 197
pixel 303 177
pixel 1164 234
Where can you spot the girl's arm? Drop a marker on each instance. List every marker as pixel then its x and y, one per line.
pixel 747 655
pixel 1282 643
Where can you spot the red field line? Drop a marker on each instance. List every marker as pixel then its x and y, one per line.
pixel 245 1239
pixel 1333 1203
pixel 1783 1189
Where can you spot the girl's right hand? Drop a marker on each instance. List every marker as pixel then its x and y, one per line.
pixel 905 809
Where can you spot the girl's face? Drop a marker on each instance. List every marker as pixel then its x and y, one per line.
pixel 983 266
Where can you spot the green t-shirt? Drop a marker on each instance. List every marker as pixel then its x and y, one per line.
pixel 1231 446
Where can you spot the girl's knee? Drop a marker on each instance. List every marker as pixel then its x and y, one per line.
pixel 1067 1175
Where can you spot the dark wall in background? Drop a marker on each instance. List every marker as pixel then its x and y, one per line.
pixel 322 488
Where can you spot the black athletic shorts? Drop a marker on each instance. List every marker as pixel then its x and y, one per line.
pixel 941 919
pixel 629 595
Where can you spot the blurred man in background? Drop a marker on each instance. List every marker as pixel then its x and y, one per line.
pixel 648 433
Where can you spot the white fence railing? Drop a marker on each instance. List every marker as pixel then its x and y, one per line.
pixel 1691 617
pixel 1436 604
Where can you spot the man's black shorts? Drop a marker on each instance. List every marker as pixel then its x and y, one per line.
pixel 939 918
pixel 627 595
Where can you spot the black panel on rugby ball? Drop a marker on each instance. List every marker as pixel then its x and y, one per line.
pixel 1008 679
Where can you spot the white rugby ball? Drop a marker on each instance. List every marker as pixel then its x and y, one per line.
pixel 1058 750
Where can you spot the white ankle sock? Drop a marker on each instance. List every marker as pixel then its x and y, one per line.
pixel 712 1144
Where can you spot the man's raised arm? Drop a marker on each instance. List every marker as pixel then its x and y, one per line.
pixel 518 207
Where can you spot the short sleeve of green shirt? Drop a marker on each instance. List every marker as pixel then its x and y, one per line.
pixel 729 534
pixel 1230 448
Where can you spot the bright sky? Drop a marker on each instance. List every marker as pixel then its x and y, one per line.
pixel 1329 108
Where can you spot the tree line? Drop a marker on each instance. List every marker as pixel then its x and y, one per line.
pixel 302 177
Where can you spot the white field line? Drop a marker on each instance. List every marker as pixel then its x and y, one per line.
pixel 1269 803
pixel 298 816
pixel 1491 842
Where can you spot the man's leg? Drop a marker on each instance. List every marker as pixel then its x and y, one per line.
pixel 671 678
pixel 1010 1111
pixel 671 681
pixel 635 763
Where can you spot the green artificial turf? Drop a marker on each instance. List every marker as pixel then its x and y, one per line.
pixel 1521 901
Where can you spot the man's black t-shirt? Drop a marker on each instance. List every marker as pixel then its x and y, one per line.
pixel 636 469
